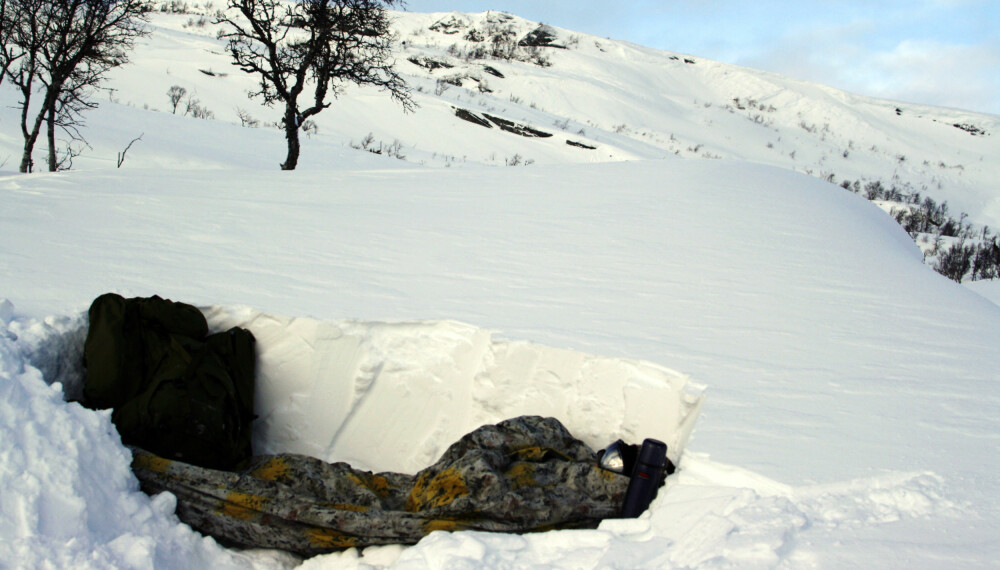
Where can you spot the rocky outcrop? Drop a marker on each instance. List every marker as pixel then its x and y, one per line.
pixel 542 36
pixel 509 126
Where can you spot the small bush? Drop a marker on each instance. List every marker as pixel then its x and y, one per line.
pixel 246 120
pixel 195 109
pixel 955 262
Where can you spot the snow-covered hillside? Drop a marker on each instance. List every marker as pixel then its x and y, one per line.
pixel 628 101
pixel 580 99
pixel 851 393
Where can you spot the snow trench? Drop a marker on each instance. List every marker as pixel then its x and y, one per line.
pixel 390 396
pixel 385 396
pixel 393 396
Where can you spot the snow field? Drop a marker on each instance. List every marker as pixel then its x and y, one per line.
pixel 850 395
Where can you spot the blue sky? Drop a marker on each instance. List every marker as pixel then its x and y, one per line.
pixel 939 52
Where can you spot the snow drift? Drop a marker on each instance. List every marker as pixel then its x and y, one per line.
pixel 68 498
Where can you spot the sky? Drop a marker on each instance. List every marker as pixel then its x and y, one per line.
pixel 938 52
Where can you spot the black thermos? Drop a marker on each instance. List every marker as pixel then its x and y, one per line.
pixel 646 478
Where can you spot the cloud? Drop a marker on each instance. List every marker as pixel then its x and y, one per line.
pixel 941 74
pixel 916 71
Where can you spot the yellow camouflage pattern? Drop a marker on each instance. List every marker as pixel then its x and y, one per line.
pixel 520 475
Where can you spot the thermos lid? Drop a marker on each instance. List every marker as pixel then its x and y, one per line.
pixel 653 452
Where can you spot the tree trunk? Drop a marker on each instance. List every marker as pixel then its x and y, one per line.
pixel 50 131
pixel 292 136
pixel 29 143
pixel 31 137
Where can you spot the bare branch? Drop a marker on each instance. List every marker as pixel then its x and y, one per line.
pixel 121 155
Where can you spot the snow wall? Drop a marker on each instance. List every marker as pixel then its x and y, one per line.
pixel 394 396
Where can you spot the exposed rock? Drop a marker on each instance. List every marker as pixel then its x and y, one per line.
pixel 485 120
pixel 429 64
pixel 450 25
pixel 517 128
pixel 455 80
pixel 492 71
pixel 467 115
pixel 580 145
pixel 498 17
pixel 542 36
pixel 505 125
pixel 971 129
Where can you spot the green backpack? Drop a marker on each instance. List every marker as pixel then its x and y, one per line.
pixel 176 390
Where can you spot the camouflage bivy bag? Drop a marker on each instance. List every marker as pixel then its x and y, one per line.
pixel 520 475
pixel 176 390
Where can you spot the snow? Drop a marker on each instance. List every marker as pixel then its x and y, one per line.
pixel 850 393
pixel 346 391
pixel 69 499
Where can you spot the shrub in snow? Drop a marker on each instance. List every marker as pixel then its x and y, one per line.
pixel 956 261
pixel 194 108
pixel 986 263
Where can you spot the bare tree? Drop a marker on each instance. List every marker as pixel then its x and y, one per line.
pixel 176 93
pixel 9 53
pixel 318 45
pixel 61 50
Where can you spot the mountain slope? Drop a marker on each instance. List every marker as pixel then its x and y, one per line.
pixel 628 101
pixel 481 80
